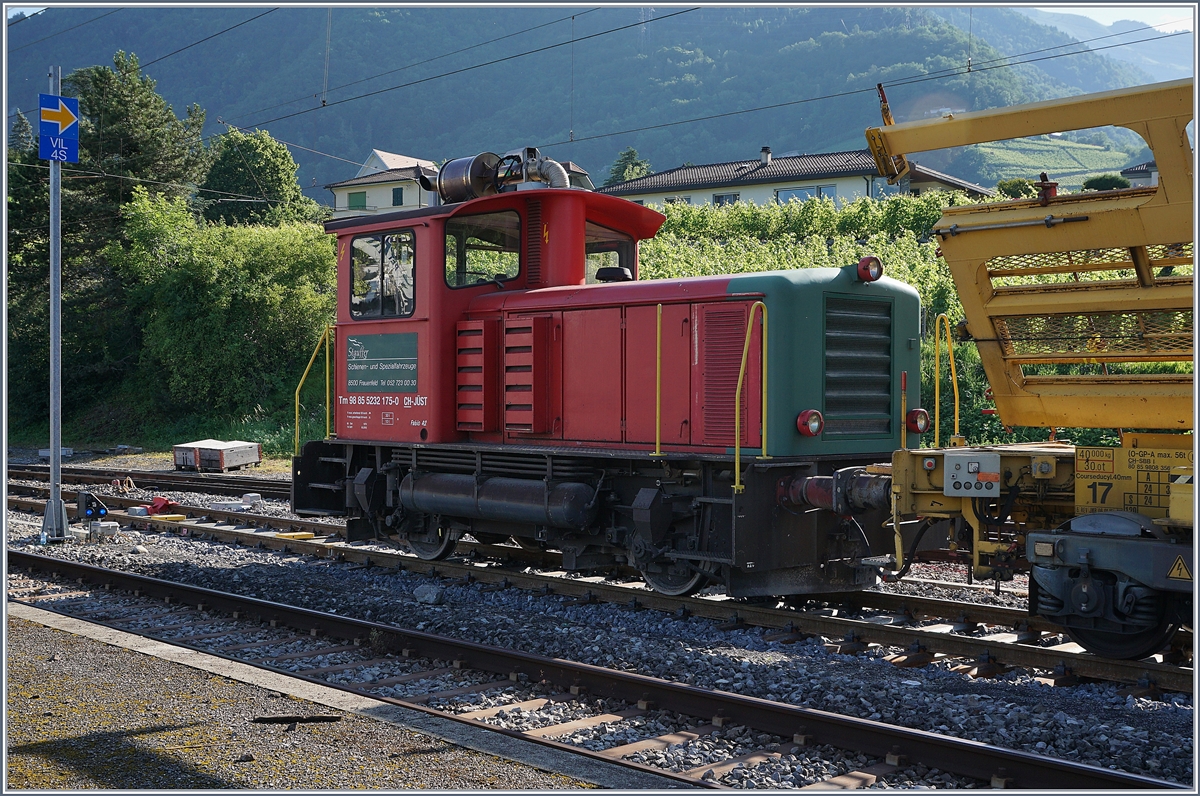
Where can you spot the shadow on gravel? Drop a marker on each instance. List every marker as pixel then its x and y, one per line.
pixel 112 760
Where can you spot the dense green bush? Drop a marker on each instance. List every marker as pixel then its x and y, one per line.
pixel 703 240
pixel 815 217
pixel 1105 182
pixel 230 314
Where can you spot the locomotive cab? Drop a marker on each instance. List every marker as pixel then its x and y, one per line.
pixel 502 373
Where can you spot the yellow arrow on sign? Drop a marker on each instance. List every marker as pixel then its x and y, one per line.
pixel 63 116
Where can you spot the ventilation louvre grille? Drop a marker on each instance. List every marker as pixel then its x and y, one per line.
pixel 724 338
pixel 533 244
pixel 858 367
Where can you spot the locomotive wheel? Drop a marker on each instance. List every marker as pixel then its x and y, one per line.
pixel 674 584
pixel 1124 646
pixel 433 550
pixel 489 538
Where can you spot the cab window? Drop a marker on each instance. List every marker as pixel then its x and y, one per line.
pixel 605 247
pixel 382 275
pixel 484 248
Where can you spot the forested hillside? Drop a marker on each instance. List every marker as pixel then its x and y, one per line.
pixel 665 65
pixel 1164 59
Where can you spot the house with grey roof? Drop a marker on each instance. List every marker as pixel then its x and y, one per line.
pixel 385 182
pixel 1143 175
pixel 841 176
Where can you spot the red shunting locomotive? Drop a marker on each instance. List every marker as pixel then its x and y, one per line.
pixel 501 372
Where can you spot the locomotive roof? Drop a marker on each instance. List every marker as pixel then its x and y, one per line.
pixel 612 211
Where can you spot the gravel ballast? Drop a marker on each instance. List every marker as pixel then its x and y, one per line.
pixel 1088 723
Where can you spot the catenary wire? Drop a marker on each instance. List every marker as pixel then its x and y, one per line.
pixel 30 16
pixel 473 67
pixel 416 63
pixel 64 30
pixel 213 36
pixel 901 82
pixel 94 173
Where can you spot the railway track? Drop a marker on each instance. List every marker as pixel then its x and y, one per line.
pixel 983 639
pixel 207 620
pixel 184 481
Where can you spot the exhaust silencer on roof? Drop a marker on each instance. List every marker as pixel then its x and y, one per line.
pixel 486 174
pixel 465 178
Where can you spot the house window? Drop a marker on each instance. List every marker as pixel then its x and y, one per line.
pixel 683 200
pixel 482 249
pixel 722 199
pixel 356 200
pixel 382 275
pixel 785 195
pixel 397 197
pixel 641 202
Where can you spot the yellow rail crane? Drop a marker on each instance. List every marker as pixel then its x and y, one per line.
pixel 1081 309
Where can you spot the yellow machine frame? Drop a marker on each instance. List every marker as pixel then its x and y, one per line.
pixel 1082 279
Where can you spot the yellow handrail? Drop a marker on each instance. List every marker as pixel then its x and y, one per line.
pixel 658 385
pixel 738 488
pixel 327 338
pixel 937 376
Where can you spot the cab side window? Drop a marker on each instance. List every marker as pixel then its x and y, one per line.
pixel 382 275
pixel 483 248
pixel 606 248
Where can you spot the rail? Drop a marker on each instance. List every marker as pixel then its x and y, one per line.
pixel 738 488
pixel 1008 652
pixel 964 757
pixel 327 338
pixel 938 322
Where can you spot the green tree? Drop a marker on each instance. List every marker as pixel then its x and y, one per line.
pixel 20 137
pixel 129 133
pixel 1017 188
pixel 1105 182
pixel 627 167
pixel 252 180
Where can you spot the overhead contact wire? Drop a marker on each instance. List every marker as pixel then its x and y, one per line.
pixel 206 38
pixel 473 67
pixel 955 72
pixel 64 30
pixel 416 63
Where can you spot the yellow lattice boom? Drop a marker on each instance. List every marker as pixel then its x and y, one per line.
pixel 1081 306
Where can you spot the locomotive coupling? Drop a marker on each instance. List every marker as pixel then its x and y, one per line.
pixel 850 490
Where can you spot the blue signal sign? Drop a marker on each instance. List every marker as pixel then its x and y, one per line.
pixel 64 150
pixel 58 127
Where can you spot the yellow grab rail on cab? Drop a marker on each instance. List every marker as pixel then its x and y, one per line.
pixel 327 338
pixel 738 488
pixel 938 322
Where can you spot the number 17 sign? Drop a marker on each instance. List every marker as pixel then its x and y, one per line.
pixel 58 128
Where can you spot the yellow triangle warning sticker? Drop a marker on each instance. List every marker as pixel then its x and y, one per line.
pixel 1179 570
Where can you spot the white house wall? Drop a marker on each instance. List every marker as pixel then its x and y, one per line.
pixel 379 198
pixel 847 190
